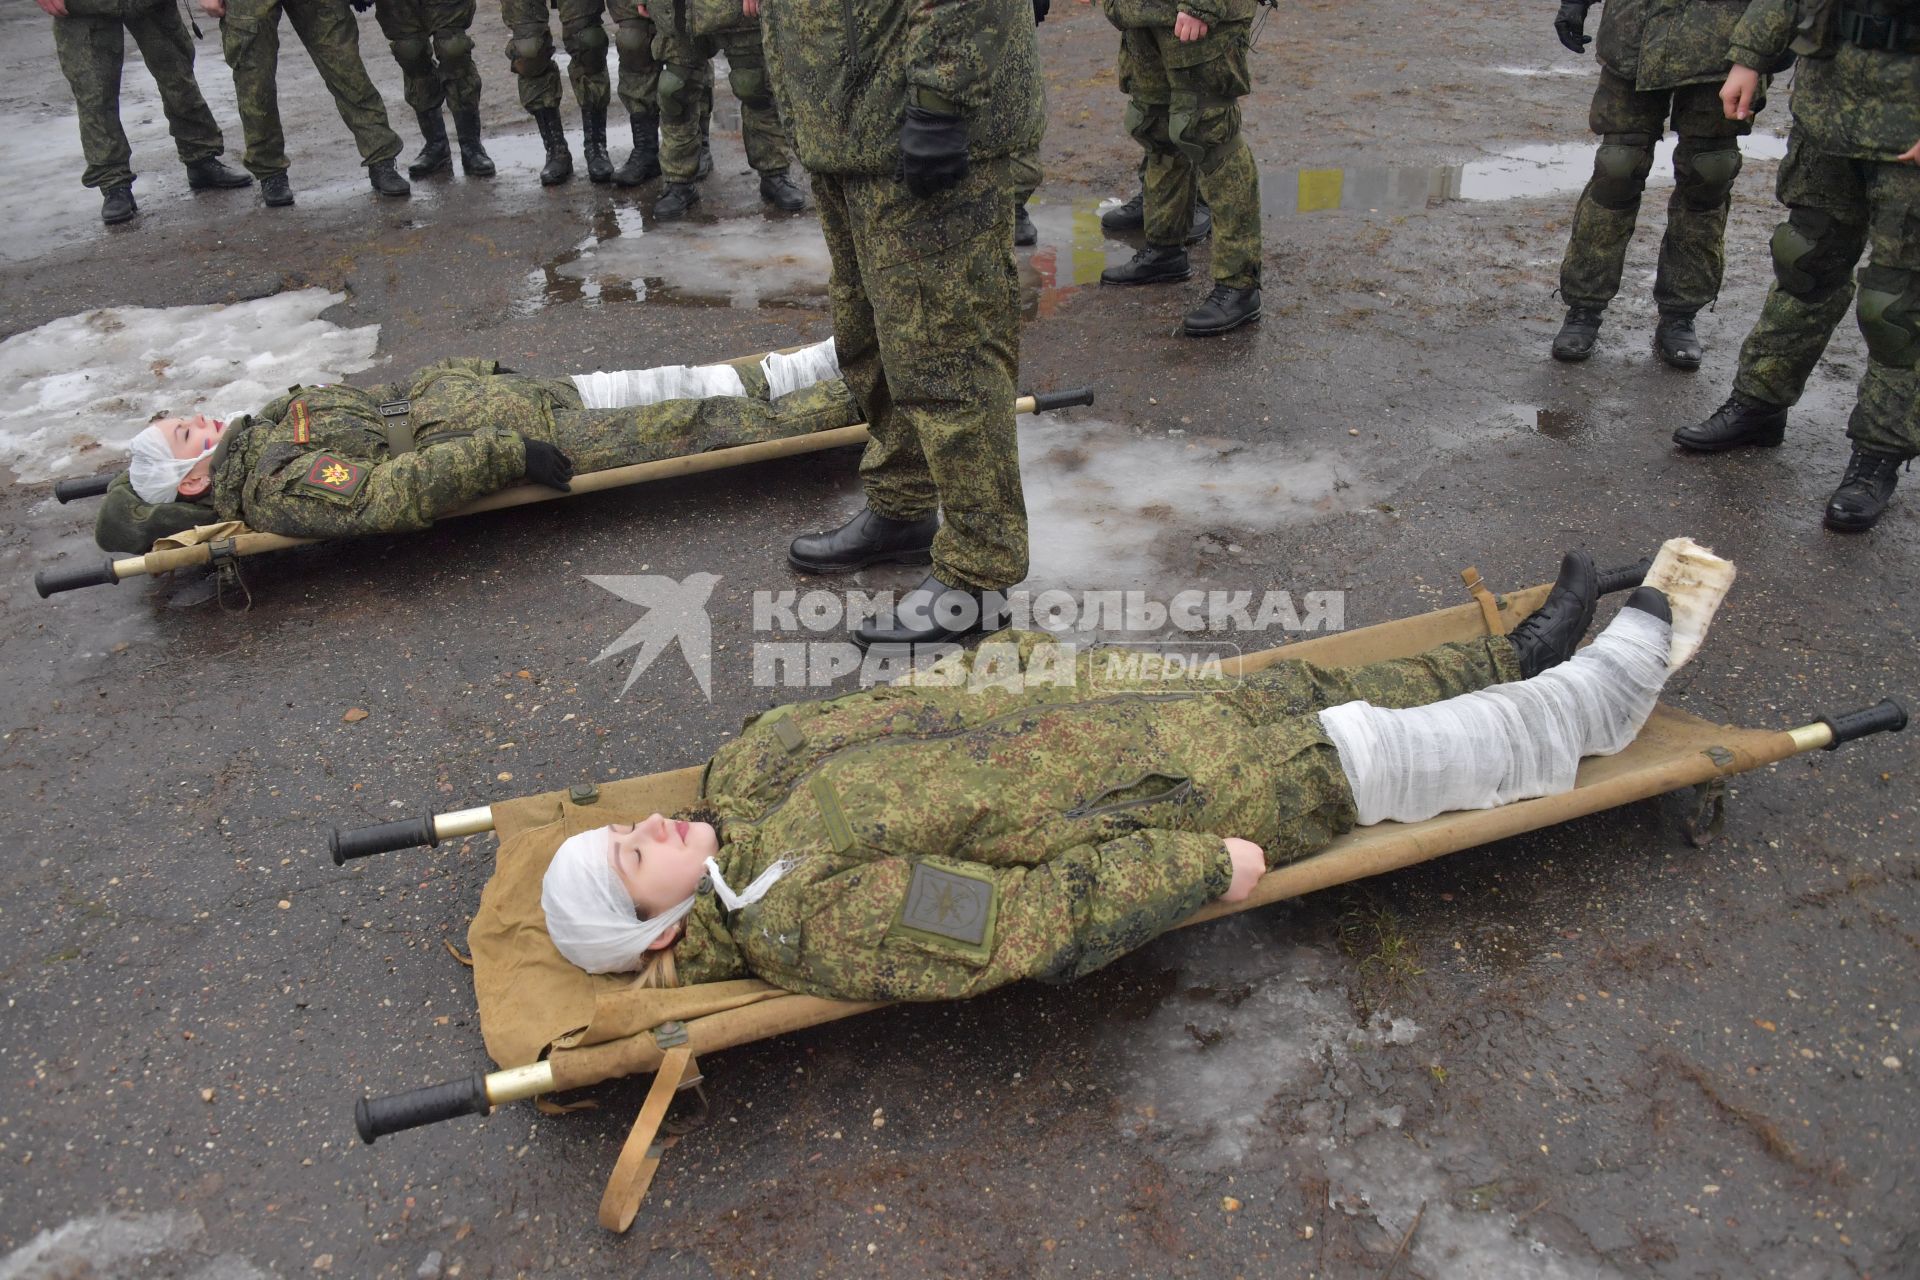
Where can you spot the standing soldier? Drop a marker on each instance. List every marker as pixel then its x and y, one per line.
pixel 684 45
pixel 1851 180
pixel 430 42
pixel 1660 60
pixel 1184 67
pixel 250 37
pixel 530 53
pixel 633 35
pixel 90 38
pixel 926 301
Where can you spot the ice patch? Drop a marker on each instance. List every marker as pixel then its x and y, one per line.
pixel 119 1244
pixel 78 388
pixel 741 262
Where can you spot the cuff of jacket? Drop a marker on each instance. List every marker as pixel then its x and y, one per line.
pixel 933 100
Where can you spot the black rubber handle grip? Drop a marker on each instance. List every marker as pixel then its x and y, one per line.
pixel 381 837
pixel 1884 716
pixel 50 582
pixel 429 1104
pixel 1047 401
pixel 1625 578
pixel 82 487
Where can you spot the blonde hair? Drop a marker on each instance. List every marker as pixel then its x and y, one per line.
pixel 660 970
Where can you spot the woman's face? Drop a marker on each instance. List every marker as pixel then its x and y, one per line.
pixel 660 860
pixel 194 437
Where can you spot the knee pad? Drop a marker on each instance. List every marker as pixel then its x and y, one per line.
pixel 1809 258
pixel 676 96
pixel 1620 169
pixel 1705 178
pixel 749 84
pixel 589 42
pixel 1147 122
pixel 414 55
pixel 1889 313
pixel 1204 132
pixel 452 45
pixel 634 40
pixel 530 55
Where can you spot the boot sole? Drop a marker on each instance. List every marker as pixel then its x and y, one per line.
pixel 128 216
pixel 1572 357
pixel 427 171
pixel 923 556
pixel 1772 440
pixel 1685 364
pixel 1191 332
pixel 245 181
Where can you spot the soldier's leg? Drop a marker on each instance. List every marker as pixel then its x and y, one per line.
pixel 633 37
pixel 530 53
pixel 945 298
pixel 1301 688
pixel 1207 78
pixel 404 23
pixel 1026 175
pixel 168 52
pixel 1167 179
pixel 250 39
pixel 331 33
pixel 1886 418
pixel 1628 122
pixel 598 439
pixel 769 150
pixel 684 66
pixel 1814 252
pixel 1705 163
pixel 451 24
pixel 584 36
pixel 92 52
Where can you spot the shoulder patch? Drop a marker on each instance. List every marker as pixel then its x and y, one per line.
pixel 949 904
pixel 334 475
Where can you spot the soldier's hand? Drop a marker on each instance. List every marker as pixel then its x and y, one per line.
pixel 214 8
pixel 548 466
pixel 933 151
pixel 58 8
pixel 1187 28
pixel 1738 93
pixel 750 7
pixel 1041 8
pixel 1570 24
pixel 1249 864
pixel 361 6
pixel 1910 156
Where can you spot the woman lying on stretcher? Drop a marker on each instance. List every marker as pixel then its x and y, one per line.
pixel 338 461
pixel 925 842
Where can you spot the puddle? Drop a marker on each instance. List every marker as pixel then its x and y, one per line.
pixel 83 385
pixel 1554 424
pixel 1072 252
pixel 739 262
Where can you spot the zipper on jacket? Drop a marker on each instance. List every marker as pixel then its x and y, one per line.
pixel 1181 789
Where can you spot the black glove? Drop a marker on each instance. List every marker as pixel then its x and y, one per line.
pixel 548 466
pixel 361 6
pixel 1571 26
pixel 933 151
pixel 1040 8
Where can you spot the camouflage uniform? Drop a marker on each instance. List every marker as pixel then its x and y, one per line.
pixel 91 44
pixel 1854 109
pixel 639 85
pixel 250 38
pixel 686 68
pixel 1660 60
pixel 1184 108
pixel 954 839
pixel 530 52
pixel 430 42
pixel 320 462
pixel 926 314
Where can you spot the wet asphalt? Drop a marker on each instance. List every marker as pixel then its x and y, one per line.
pixel 1595 1051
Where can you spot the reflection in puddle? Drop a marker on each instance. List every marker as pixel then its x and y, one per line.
pixel 741 262
pixel 1554 424
pixel 1072 252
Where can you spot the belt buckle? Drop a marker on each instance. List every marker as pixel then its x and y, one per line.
pixel 395 408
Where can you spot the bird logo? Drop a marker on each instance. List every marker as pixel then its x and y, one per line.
pixel 676 612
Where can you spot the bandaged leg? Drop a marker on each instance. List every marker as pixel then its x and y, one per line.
pixel 636 388
pixel 1509 741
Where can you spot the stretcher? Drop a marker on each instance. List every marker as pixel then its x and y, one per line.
pixel 552 1027
pixel 223 545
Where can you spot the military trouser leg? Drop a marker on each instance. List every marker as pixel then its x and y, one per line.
pixel 1628 122
pixel 633 37
pixel 1814 252
pixel 530 53
pixel 597 439
pixel 1886 417
pixel 769 150
pixel 926 313
pixel 1026 175
pixel 584 37
pixel 686 98
pixel 453 52
pixel 1705 163
pixel 250 39
pixel 404 24
pixel 167 50
pixel 1167 179
pixel 92 53
pixel 331 33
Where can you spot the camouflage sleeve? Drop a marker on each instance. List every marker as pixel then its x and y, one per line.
pixel 319 495
pixel 1763 34
pixel 944 929
pixel 952 48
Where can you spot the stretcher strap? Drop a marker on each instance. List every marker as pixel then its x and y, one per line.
pixel 640 1157
pixel 1488 602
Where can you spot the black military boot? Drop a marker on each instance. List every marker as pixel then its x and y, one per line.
pixel 675 199
pixel 1024 232
pixel 703 163
pixel 1155 264
pixel 1131 216
pixel 1578 334
pixel 1650 600
pixel 116 204
pixel 385 179
pixel 553 135
pixel 1864 491
pixel 1548 636
pixel 1675 342
pixel 868 538
pixel 474 160
pixel 1740 422
pixel 208 174
pixel 593 123
pixel 275 191
pixel 644 164
pixel 1225 309
pixel 782 192
pixel 934 613
pixel 435 155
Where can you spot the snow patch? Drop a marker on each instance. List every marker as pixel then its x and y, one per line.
pixel 123 1243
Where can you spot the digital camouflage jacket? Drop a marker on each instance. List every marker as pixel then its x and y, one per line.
pixel 1848 100
pixel 1127 14
pixel 1663 44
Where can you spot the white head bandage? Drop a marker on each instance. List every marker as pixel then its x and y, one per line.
pixel 154 471
pixel 590 914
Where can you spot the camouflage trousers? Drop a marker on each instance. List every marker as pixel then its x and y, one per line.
pixel 1026 175
pixel 926 319
pixel 530 52
pixel 430 42
pixel 1843 206
pixel 92 52
pixel 597 439
pixel 686 69
pixel 1316 800
pixel 1185 110
pixel 250 37
pixel 1692 254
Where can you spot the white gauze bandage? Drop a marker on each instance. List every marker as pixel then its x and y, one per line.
pixel 1509 741
pixel 633 388
pixel 790 371
pixel 153 470
pixel 590 914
